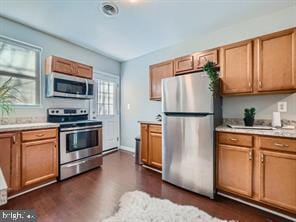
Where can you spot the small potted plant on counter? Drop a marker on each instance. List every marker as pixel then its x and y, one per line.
pixel 249 116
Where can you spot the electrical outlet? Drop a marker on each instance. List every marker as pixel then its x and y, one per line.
pixel 128 106
pixel 282 107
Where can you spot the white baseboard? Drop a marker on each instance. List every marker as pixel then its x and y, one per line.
pixel 127 148
pixel 257 206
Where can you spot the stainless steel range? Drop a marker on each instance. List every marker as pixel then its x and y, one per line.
pixel 80 141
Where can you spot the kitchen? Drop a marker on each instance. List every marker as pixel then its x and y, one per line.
pixel 136 98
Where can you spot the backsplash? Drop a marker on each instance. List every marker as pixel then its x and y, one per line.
pixel 18 120
pixel 262 122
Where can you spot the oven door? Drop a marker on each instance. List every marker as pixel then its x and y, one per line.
pixel 79 143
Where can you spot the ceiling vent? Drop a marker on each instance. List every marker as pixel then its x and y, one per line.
pixel 109 9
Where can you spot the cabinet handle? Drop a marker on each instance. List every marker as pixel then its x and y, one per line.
pixel 250 155
pixel 262 158
pixel 233 139
pixel 40 135
pixel 14 140
pixel 250 85
pixel 260 84
pixel 281 145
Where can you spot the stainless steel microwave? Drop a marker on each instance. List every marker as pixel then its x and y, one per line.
pixel 59 85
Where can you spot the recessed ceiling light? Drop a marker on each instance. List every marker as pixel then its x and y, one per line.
pixel 109 8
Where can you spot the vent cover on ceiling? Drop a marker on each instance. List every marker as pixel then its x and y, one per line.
pixel 109 9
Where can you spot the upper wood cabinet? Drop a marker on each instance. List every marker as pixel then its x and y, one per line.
pixel 184 64
pixel 65 66
pixel 157 73
pixel 278 179
pixel 236 65
pixel 201 58
pixel 235 169
pixel 276 61
pixel 10 159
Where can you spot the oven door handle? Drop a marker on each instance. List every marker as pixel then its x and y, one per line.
pixel 80 129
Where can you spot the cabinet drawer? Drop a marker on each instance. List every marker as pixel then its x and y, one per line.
pixel 235 139
pixel 276 143
pixel 38 134
pixel 155 128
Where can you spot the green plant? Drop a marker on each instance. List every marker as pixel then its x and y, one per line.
pixel 8 94
pixel 250 113
pixel 211 69
pixel 249 116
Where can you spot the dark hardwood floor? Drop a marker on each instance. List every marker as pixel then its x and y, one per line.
pixel 94 195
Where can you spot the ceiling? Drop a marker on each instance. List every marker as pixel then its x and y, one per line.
pixel 142 26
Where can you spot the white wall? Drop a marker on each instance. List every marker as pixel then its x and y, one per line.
pixel 54 46
pixel 134 75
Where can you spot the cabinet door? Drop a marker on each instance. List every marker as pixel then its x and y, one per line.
pixel 144 143
pixel 276 61
pixel 184 64
pixel 236 68
pixel 235 165
pixel 202 58
pixel 61 65
pixel 278 179
pixel 84 71
pixel 10 159
pixel 155 147
pixel 157 73
pixel 39 161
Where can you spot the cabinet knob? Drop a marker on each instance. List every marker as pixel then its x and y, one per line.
pixel 250 155
pixel 14 140
pixel 233 139
pixel 262 158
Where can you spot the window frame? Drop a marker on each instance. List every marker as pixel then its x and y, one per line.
pixel 38 76
pixel 115 95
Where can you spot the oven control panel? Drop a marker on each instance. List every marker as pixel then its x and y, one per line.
pixel 67 112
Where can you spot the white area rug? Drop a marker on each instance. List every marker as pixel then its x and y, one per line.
pixel 140 207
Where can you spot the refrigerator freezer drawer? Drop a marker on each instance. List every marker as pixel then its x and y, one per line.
pixel 188 153
pixel 187 94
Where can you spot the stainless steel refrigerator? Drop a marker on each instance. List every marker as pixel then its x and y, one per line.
pixel 190 114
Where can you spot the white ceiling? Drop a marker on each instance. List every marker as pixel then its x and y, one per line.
pixel 141 27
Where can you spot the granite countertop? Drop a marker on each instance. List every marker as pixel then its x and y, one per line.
pixel 275 132
pixel 27 126
pixel 155 122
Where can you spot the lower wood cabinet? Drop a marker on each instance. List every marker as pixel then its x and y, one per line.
pixel 151 145
pixel 235 169
pixel 10 159
pixel 265 172
pixel 278 179
pixel 28 158
pixel 39 161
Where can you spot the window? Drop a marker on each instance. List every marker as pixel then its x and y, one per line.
pixel 21 62
pixel 106 97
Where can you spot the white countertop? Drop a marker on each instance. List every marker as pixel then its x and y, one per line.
pixel 27 126
pixel 274 132
pixel 154 122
